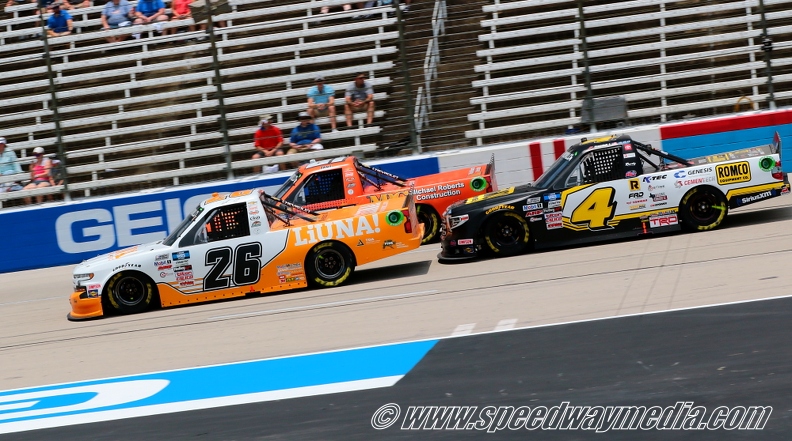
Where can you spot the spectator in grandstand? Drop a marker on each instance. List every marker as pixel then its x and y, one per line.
pixel 359 96
pixel 150 11
pixel 9 165
pixel 269 142
pixel 39 174
pixel 305 136
pixel 326 9
pixel 181 11
pixel 59 23
pixel 116 14
pixel 321 101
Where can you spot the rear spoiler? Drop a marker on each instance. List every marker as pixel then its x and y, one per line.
pixel 776 143
pixel 491 166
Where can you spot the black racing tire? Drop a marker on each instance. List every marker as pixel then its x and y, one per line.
pixel 431 220
pixel 507 234
pixel 329 264
pixel 129 293
pixel 703 208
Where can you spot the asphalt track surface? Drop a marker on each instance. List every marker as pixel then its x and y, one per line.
pixel 728 355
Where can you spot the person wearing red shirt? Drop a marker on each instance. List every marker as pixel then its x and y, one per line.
pixel 181 11
pixel 268 140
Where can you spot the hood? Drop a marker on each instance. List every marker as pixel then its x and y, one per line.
pixel 508 196
pixel 126 252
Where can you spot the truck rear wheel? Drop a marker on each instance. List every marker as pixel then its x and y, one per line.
pixel 329 264
pixel 428 216
pixel 702 208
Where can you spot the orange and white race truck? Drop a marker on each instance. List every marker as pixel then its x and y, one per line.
pixel 345 181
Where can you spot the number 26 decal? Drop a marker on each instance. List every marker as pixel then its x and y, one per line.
pixel 247 266
pixel 596 210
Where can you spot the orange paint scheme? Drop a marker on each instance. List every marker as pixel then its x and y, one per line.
pixel 345 181
pixel 368 232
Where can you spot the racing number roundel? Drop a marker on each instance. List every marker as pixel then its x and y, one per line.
pixel 596 210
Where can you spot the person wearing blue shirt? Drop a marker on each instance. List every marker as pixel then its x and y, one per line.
pixel 59 23
pixel 321 101
pixel 9 165
pixel 116 14
pixel 150 11
pixel 305 136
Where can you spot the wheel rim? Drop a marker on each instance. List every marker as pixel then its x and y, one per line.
pixel 130 291
pixel 705 208
pixel 330 264
pixel 507 232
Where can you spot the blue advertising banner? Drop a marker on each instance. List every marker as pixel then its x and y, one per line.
pixel 41 237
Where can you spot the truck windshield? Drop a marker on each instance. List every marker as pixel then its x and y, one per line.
pixel 182 227
pixel 287 185
pixel 561 167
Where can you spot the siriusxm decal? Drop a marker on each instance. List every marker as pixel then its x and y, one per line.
pixel 208 387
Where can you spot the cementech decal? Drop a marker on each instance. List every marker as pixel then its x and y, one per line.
pixel 208 387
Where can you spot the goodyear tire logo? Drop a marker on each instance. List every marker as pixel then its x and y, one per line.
pixel 733 173
pixel 394 218
pixel 767 163
pixel 478 183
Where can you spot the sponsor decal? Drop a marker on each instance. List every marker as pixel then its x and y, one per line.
pixel 533 213
pixel 554 225
pixel 162 262
pixel 627 147
pixel 164 267
pixel 678 184
pixel 183 268
pixel 659 204
pixel 503 207
pixel 658 197
pixel 251 203
pixel 680 174
pixel 631 174
pixel 635 185
pixel 387 196
pixel 388 244
pixel 93 293
pixel 639 194
pixel 127 265
pixel 733 173
pixel 536 219
pixel 187 283
pixel 256 224
pixel 552 196
pixel 292 279
pixel 255 218
pixel 554 217
pixel 435 192
pixel 757 197
pixel 161 257
pixel 360 243
pixel 663 220
pixel 532 207
pixel 553 204
pixel 456 221
pixel 351 185
pixel 698 171
pixel 533 200
pixel 181 255
pixel 465 242
pixel 650 179
pixel 184 275
pixel 485 196
pixel 93 286
pixel 165 274
pixel 630 164
pixel 629 155
pixel 637 207
pixel 656 187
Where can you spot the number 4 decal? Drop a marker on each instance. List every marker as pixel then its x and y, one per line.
pixel 596 210
pixel 247 266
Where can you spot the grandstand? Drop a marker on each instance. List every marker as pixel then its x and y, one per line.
pixel 145 113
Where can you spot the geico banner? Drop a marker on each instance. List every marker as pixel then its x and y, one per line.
pixel 46 236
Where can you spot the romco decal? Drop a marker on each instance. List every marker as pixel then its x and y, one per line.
pixel 733 173
pixel 339 229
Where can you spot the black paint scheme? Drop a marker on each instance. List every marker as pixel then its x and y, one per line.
pixel 487 223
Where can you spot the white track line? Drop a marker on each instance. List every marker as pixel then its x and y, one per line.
pixel 505 325
pixel 322 305
pixel 463 329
